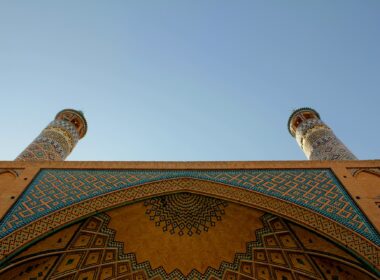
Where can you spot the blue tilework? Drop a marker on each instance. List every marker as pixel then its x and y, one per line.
pixel 316 189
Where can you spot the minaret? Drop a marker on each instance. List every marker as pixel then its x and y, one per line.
pixel 58 139
pixel 315 138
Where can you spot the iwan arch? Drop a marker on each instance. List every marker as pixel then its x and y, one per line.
pixel 316 219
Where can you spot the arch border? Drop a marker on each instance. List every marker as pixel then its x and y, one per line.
pixel 216 272
pixel 31 233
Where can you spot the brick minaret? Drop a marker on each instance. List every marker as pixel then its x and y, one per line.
pixel 58 139
pixel 315 138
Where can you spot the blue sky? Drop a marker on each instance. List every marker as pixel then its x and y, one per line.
pixel 190 80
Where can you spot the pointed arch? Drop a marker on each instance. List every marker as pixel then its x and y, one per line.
pixel 36 230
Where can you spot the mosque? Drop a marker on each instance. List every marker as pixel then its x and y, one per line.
pixel 299 220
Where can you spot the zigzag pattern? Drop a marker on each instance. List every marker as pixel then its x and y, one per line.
pixel 99 223
pixel 276 252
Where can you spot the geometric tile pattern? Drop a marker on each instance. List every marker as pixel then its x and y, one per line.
pixel 325 226
pixel 58 139
pixel 315 138
pixel 93 254
pixel 320 143
pixel 276 253
pixel 54 143
pixel 315 189
pixel 185 213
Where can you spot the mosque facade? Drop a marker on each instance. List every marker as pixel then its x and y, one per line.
pixel 314 219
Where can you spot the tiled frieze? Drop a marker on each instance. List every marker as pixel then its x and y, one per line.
pixel 317 190
pixel 325 226
pixel 313 198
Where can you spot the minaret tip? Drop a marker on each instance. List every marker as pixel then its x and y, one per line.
pixel 75 117
pixel 298 115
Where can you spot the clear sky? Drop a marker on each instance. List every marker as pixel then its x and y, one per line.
pixel 190 80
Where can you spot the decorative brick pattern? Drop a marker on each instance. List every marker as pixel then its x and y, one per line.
pixel 301 215
pixel 98 257
pixel 320 143
pixel 317 190
pixel 93 252
pixel 54 143
pixel 58 139
pixel 315 138
pixel 185 213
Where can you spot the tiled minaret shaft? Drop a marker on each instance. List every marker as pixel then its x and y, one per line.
pixel 58 139
pixel 315 138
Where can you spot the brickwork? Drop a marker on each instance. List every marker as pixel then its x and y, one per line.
pixel 275 253
pixel 334 230
pixel 317 190
pixel 185 213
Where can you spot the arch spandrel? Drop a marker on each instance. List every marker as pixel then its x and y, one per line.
pixel 132 241
pixel 259 189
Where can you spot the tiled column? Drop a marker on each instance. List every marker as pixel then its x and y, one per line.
pixel 58 139
pixel 315 138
